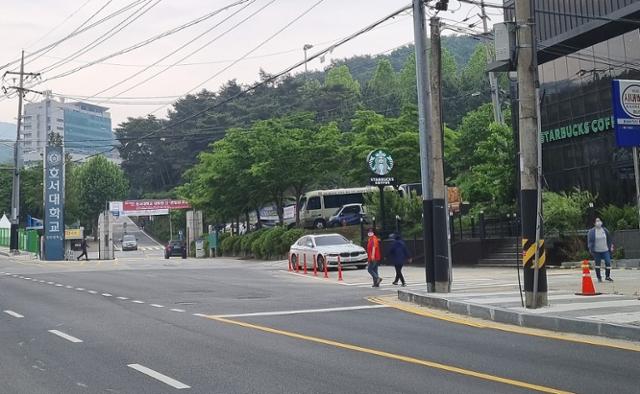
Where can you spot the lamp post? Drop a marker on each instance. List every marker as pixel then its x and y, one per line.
pixel 305 48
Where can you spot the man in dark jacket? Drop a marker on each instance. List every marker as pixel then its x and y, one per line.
pixel 398 255
pixel 84 247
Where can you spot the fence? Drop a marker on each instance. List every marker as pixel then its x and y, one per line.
pixel 28 240
pixel 466 227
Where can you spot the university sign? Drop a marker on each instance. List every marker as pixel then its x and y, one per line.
pixel 143 205
pixel 54 203
pixel 578 129
pixel 626 110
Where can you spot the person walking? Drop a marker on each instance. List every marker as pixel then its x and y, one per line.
pixel 84 247
pixel 599 244
pixel 374 256
pixel 398 254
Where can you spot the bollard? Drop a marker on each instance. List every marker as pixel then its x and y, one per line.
pixel 289 255
pixel 297 265
pixel 326 269
pixel 304 265
pixel 339 270
pixel 315 267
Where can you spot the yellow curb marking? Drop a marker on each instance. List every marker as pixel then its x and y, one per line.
pixel 470 321
pixel 411 360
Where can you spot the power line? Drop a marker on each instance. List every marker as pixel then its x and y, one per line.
pixel 262 43
pixel 135 15
pixel 56 27
pixel 185 45
pixel 76 32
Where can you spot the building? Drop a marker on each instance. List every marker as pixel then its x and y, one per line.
pixel 85 128
pixel 582 46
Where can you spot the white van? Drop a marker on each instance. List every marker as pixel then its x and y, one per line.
pixel 318 206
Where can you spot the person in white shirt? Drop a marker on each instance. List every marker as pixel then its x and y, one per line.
pixel 599 244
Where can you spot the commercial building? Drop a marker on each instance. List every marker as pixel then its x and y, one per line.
pixel 582 46
pixel 85 128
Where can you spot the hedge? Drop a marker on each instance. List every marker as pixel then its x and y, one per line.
pixel 262 244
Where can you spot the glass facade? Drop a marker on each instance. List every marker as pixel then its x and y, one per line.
pixel 579 147
pixel 85 133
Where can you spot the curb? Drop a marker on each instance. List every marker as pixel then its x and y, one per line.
pixel 506 316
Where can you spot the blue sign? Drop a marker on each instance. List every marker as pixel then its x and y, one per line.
pixel 54 203
pixel 626 111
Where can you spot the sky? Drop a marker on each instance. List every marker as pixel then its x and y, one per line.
pixel 34 24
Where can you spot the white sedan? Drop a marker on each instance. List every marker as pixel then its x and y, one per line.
pixel 327 248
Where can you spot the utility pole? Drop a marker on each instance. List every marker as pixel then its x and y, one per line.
pixel 440 207
pixel 305 48
pixel 424 117
pixel 535 278
pixel 17 162
pixel 493 81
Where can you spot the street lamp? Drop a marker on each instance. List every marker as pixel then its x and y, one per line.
pixel 305 48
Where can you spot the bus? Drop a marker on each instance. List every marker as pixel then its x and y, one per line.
pixel 317 206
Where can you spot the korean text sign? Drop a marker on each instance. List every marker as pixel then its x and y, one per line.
pixel 54 204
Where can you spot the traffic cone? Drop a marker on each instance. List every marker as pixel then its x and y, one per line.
pixel 587 283
pixel 296 266
pixel 290 269
pixel 326 269
pixel 339 270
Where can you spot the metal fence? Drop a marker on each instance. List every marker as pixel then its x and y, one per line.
pixel 28 240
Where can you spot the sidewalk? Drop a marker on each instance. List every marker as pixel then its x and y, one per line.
pixel 614 314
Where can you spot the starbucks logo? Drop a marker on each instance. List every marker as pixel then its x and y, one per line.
pixel 380 162
pixel 54 158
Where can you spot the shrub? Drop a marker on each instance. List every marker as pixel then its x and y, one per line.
pixel 272 241
pixel 288 238
pixel 248 240
pixel 619 218
pixel 227 245
pixel 565 212
pixel 258 246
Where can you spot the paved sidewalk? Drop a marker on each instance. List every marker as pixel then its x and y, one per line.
pixel 615 313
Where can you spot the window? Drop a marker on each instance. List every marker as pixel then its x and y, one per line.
pixel 302 241
pixel 338 200
pixel 354 209
pixel 313 203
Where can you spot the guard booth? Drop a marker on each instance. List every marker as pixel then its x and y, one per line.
pixel 73 243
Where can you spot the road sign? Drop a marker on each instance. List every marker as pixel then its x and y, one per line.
pixel 626 111
pixel 54 203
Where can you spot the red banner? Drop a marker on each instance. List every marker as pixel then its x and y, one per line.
pixel 142 205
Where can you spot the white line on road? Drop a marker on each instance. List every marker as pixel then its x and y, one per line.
pixel 59 285
pixel 69 287
pixel 92 292
pixel 158 376
pixel 80 288
pixel 65 336
pixel 200 315
pixel 157 306
pixel 137 302
pixel 27 278
pixel 106 295
pixel 122 298
pixel 14 314
pixel 303 311
pixel 178 310
pixel 49 283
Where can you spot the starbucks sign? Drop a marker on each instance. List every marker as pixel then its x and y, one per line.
pixel 380 162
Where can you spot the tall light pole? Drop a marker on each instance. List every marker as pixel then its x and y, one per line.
pixel 305 48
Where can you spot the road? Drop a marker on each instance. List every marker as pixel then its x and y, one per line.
pixel 147 325
pixel 147 246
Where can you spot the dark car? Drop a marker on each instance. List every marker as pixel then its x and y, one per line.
pixel 347 215
pixel 175 248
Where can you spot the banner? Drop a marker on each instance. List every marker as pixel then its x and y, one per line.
pixel 54 203
pixel 141 205
pixel 626 110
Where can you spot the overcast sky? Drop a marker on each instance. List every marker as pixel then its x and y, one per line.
pixel 33 24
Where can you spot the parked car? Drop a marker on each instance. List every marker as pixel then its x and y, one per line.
pixel 326 248
pixel 175 248
pixel 129 242
pixel 347 215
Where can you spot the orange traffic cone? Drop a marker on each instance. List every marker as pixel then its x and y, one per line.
pixel 587 283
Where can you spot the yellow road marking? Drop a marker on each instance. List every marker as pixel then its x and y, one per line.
pixel 392 356
pixel 470 321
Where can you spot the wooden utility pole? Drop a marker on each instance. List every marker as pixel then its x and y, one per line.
pixel 440 206
pixel 493 81
pixel 535 278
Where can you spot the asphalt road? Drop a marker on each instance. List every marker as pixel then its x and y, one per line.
pixel 155 326
pixel 147 246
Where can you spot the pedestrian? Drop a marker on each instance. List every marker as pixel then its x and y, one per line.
pixel 374 256
pixel 84 247
pixel 398 254
pixel 599 244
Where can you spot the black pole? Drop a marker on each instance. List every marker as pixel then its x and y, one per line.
pixel 383 222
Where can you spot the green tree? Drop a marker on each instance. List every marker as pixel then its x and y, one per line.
pixel 99 181
pixel 382 94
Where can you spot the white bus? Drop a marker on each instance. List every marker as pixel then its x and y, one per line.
pixel 317 206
